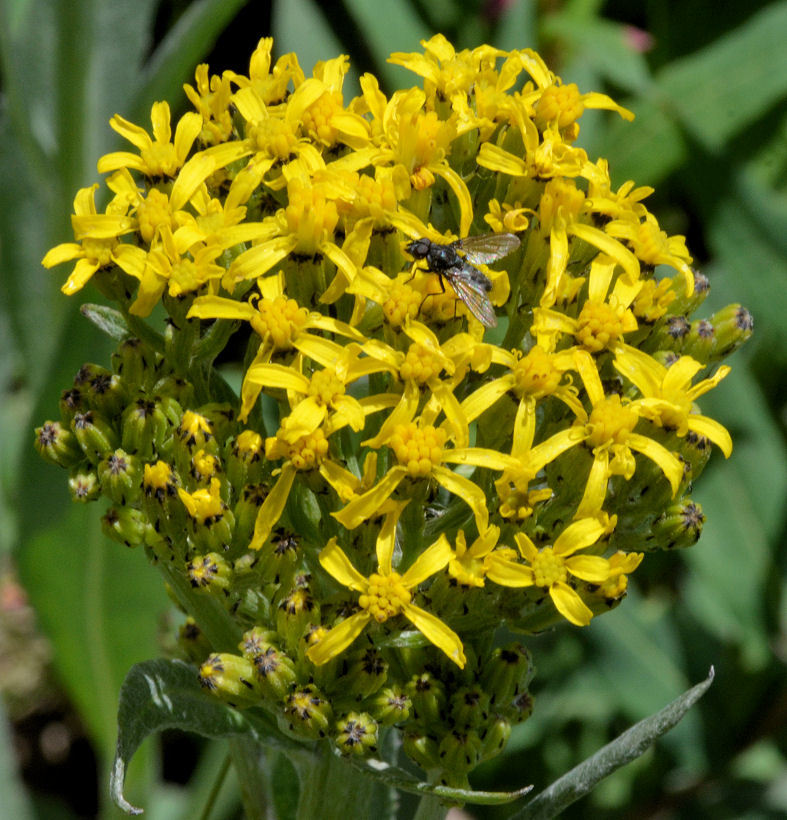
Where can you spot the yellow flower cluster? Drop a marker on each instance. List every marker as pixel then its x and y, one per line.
pixel 399 396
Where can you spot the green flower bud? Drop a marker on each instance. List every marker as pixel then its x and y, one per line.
pixel 688 304
pixel 733 325
pixel 308 713
pixel 160 500
pixel 296 612
pixel 422 749
pixel 145 428
pixel 102 389
pixel 222 418
pixel 95 435
pixel 459 753
pixel 495 737
pixel 520 708
pixel 366 672
pixel 700 340
pixel 58 445
pixel 280 557
pixel 72 401
pixel 231 678
pixel 246 509
pixel 670 334
pixel 356 734
pixel 120 475
pixel 83 485
pixel 128 526
pixel 679 526
pixel 275 671
pixel 427 694
pixel 245 460
pixel 192 640
pixel 210 572
pixel 173 387
pixel 135 362
pixel 507 673
pixel 390 706
pixel 469 707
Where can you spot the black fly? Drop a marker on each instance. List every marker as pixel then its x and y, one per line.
pixel 469 284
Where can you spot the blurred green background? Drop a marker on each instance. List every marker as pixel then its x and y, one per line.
pixel 708 83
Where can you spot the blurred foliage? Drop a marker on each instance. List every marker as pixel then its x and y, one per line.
pixel 708 83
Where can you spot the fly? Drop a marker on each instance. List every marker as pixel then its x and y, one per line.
pixel 458 269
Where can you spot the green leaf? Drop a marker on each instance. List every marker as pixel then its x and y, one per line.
pixel 720 90
pixel 629 746
pixel 163 694
pixel 107 319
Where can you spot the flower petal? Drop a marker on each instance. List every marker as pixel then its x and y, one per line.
pixel 441 635
pixel 366 505
pixel 336 563
pixel 336 640
pixel 569 604
pixel 272 508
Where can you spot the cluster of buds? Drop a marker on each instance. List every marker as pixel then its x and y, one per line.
pixel 423 454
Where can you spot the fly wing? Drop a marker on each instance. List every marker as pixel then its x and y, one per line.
pixel 487 247
pixel 474 296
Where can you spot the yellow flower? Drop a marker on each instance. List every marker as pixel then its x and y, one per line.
pixel 386 594
pixel 99 244
pixel 668 397
pixel 204 505
pixel 467 565
pixel 552 567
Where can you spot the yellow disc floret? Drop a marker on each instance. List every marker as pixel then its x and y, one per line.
pixel 420 364
pixel 418 449
pixel 611 422
pixel 308 451
pixel 561 202
pixel 535 374
pixel 326 387
pixel 561 104
pixel 385 597
pixel 311 216
pixel 402 303
pixel 279 320
pixel 600 325
pixel 548 568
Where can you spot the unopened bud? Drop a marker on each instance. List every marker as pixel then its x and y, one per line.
pixel 356 734
pixel 95 435
pixel 231 678
pixel 459 753
pixel 507 672
pixel 83 485
pixel 469 707
pixel 390 705
pixel 127 525
pixel 120 475
pixel 58 445
pixel 308 713
pixel 422 749
pixel 427 694
pixel 210 572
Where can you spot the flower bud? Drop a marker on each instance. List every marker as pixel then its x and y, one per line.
pixel 427 694
pixel 210 572
pixel 365 673
pixel 679 526
pixel 295 613
pixel 356 734
pixel 520 708
pixel 128 526
pixel 120 475
pixel 232 679
pixel 390 705
pixel 308 713
pixel 245 511
pixel 94 434
pixel 733 325
pixel 495 737
pixel 700 340
pixel 469 707
pixel 210 520
pixel 246 459
pixel 275 670
pixel 58 445
pixel 135 362
pixel 160 500
pixel 507 673
pixel 145 428
pixel 671 334
pixel 422 750
pixel 175 388
pixel 72 401
pixel 459 753
pixel 101 389
pixel 83 484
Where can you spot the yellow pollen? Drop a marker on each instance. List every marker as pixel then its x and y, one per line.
pixel 309 451
pixel 420 364
pixel 535 375
pixel 153 212
pixel 184 277
pixel 600 325
pixel 561 103
pixel 99 250
pixel 386 596
pixel 311 216
pixel 325 386
pixel 548 568
pixel 420 450
pixel 610 422
pixel 402 303
pixel 280 320
pixel 561 203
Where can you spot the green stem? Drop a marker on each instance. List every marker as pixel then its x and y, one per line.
pixel 216 788
pixel 430 808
